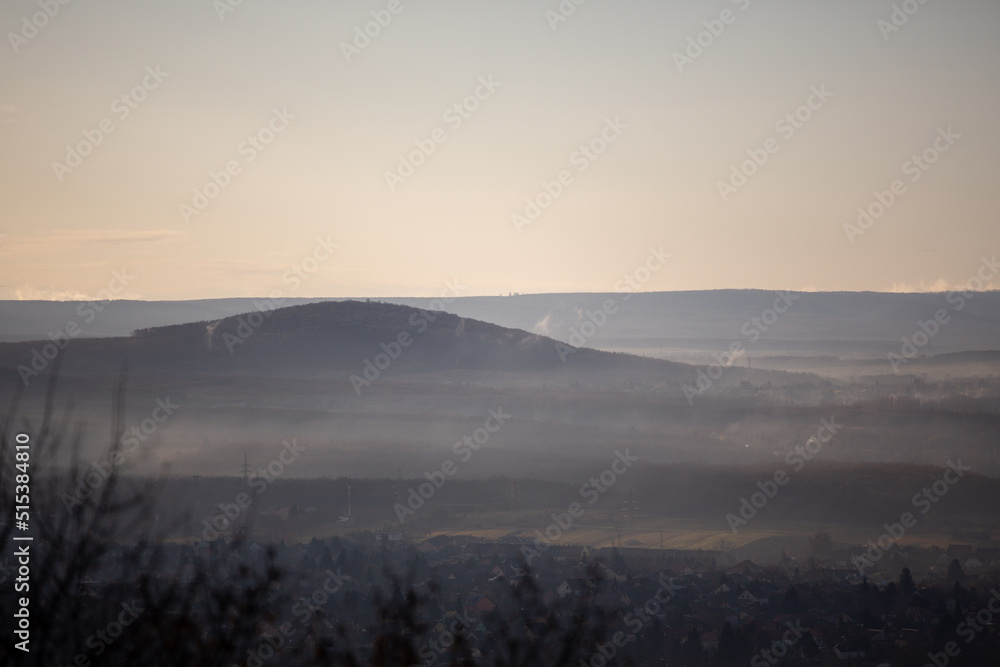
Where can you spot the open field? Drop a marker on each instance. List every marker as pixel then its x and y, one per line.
pixel 762 540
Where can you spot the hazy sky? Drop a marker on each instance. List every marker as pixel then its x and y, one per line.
pixel 199 80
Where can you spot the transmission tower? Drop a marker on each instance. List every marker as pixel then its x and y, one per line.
pixel 246 469
pixel 630 511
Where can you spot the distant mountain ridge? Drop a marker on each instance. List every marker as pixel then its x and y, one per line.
pixel 34 320
pixel 328 337
pixel 868 320
pixel 650 319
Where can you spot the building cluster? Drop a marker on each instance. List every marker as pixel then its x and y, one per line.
pixel 650 606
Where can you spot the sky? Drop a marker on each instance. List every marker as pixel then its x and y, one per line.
pixel 227 148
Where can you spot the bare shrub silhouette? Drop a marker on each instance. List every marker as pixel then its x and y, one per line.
pixel 105 589
pixel 102 588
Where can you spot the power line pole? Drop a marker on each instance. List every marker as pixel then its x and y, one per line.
pixel 631 509
pixel 246 469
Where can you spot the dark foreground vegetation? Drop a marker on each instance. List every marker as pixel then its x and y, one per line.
pixel 113 580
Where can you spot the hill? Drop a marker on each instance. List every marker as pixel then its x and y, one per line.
pixel 325 339
pixel 866 323
pixel 374 389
